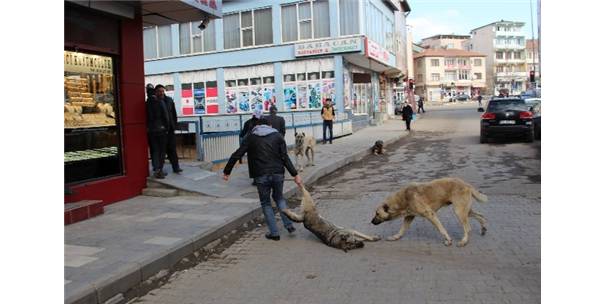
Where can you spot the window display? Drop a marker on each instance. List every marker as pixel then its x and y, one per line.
pixel 92 137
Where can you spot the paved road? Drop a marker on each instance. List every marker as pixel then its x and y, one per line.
pixel 501 267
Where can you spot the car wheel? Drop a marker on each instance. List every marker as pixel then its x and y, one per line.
pixel 537 133
pixel 530 136
pixel 483 139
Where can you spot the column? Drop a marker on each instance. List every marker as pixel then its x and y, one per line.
pixel 279 85
pixel 339 84
pixel 221 90
pixel 276 24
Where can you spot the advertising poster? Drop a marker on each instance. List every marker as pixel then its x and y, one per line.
pixel 256 98
pixel 269 97
pixel 315 95
pixel 199 101
pixel 231 104
pixel 212 106
pixel 290 97
pixel 328 90
pixel 302 96
pixel 243 101
pixel 187 102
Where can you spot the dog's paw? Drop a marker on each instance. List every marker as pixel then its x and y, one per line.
pixel 483 231
pixel 461 243
pixel 393 238
pixel 447 243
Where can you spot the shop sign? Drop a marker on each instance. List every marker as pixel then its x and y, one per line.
pixel 86 63
pixel 375 51
pixel 343 45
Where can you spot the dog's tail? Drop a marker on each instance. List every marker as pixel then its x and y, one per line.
pixel 477 195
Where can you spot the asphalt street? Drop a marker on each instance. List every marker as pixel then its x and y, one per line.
pixel 501 267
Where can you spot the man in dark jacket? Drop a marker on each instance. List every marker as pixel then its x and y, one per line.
pixel 247 127
pixel 407 115
pixel 171 138
pixel 420 105
pixel 276 122
pixel 267 156
pixel 157 130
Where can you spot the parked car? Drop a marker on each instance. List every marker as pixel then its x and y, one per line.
pixel 507 117
pixel 462 97
pixel 534 106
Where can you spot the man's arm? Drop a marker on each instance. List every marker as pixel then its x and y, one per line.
pixel 236 156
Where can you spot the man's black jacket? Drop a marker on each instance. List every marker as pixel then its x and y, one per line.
pixel 277 123
pixel 267 154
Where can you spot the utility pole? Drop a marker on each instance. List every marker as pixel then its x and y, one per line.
pixel 539 29
pixel 532 46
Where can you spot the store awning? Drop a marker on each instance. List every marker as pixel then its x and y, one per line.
pixel 159 12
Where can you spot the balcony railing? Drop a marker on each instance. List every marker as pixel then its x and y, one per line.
pixel 509 46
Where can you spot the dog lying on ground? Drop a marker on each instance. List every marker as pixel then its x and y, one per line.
pixel 425 199
pixel 378 148
pixel 304 145
pixel 331 234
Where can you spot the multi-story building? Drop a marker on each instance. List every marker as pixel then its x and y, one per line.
pixel 445 42
pixel 294 54
pixel 504 45
pixel 443 73
pixel 532 58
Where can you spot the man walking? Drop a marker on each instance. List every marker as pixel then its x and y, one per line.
pixel 328 115
pixel 407 115
pixel 267 156
pixel 480 101
pixel 171 138
pixel 276 122
pixel 420 105
pixel 157 128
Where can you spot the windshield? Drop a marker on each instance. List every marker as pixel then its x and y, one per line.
pixel 508 104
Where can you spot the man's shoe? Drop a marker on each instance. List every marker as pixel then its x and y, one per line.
pixel 177 171
pixel 272 237
pixel 158 175
pixel 291 229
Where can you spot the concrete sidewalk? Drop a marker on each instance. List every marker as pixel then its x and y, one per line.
pixel 122 253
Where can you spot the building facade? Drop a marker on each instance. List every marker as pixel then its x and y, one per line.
pixel 294 54
pixel 105 138
pixel 445 73
pixel 445 42
pixel 504 45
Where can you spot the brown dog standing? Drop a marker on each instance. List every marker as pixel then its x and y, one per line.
pixel 425 199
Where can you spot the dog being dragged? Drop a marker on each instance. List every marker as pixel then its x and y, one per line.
pixel 331 234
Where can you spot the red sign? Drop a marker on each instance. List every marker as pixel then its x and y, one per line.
pixel 375 51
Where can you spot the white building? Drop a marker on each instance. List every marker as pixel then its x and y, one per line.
pixel 504 45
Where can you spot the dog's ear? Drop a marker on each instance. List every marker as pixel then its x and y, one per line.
pixel 386 208
pixel 303 134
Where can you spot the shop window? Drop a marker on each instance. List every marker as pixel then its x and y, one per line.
pixel 305 20
pixel 248 94
pixel 349 17
pixel 247 28
pixel 289 77
pixel 92 147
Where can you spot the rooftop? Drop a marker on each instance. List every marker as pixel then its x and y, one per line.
pixel 447 36
pixel 447 53
pixel 502 22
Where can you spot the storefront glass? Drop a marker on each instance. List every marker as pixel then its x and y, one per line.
pixel 91 132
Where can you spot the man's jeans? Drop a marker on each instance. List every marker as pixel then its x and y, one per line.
pixel 325 125
pixel 265 185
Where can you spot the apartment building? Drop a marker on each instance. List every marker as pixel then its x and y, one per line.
pixel 445 42
pixel 504 45
pixel 294 54
pixel 443 73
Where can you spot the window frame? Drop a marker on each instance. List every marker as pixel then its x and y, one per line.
pixel 311 20
pixel 251 27
pixel 435 78
pixel 437 61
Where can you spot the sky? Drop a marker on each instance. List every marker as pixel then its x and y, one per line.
pixel 432 17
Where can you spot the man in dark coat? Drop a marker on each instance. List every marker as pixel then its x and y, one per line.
pixel 407 115
pixel 267 156
pixel 246 129
pixel 420 105
pixel 171 138
pixel 276 122
pixel 157 129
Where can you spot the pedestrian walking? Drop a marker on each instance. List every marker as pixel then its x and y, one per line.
pixel 157 130
pixel 267 156
pixel 420 105
pixel 150 93
pixel 407 115
pixel 328 116
pixel 276 122
pixel 246 129
pixel 480 100
pixel 171 138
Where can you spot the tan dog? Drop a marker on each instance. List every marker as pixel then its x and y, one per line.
pixel 425 199
pixel 304 145
pixel 331 234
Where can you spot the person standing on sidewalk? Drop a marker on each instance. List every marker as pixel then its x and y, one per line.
pixel 420 105
pixel 276 122
pixel 171 138
pixel 407 115
pixel 157 130
pixel 267 156
pixel 328 115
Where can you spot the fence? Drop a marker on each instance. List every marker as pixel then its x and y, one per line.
pixel 217 136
